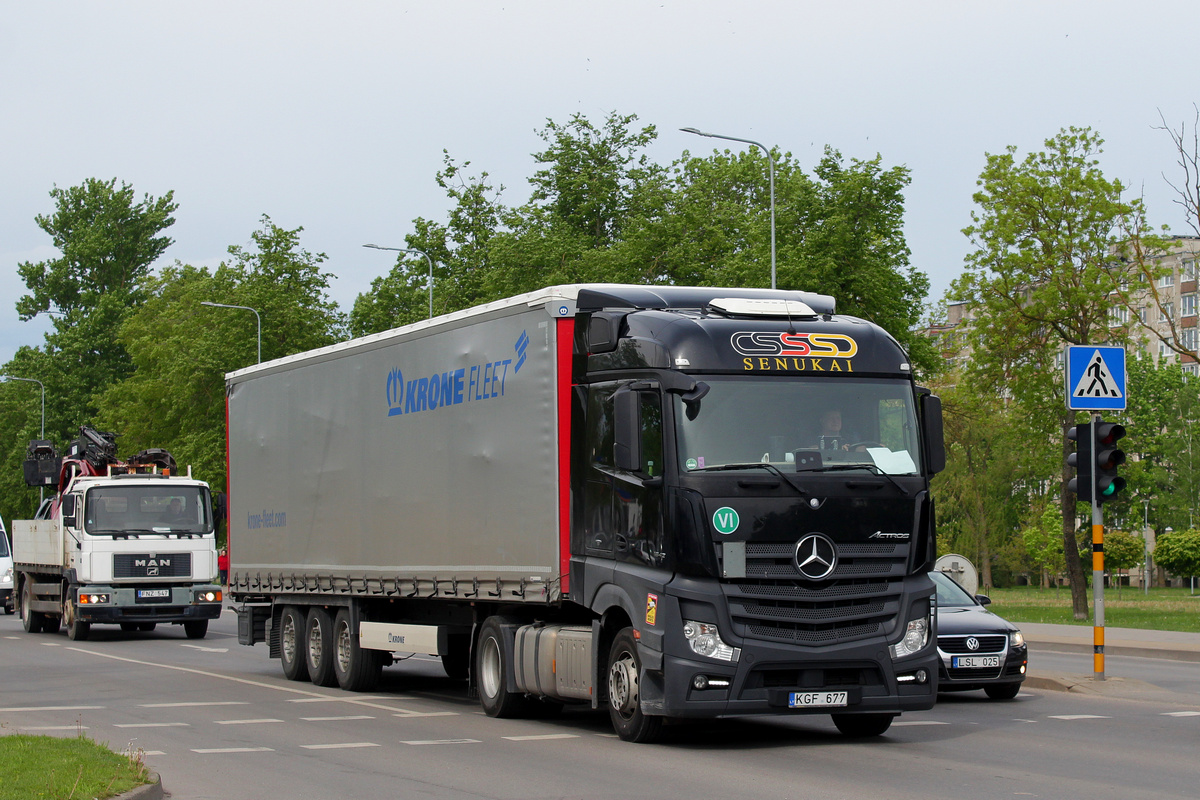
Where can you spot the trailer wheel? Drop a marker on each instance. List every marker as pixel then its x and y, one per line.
pixel 31 620
pixel 77 629
pixel 318 640
pixel 291 644
pixel 196 629
pixel 356 669
pixel 860 726
pixel 624 706
pixel 491 674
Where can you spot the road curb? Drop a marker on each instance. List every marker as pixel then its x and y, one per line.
pixel 1112 688
pixel 147 791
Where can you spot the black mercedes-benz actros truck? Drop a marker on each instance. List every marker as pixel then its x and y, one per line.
pixel 670 502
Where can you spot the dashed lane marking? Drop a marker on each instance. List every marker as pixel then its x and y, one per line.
pixel 541 738
pixel 58 728
pixel 919 722
pixel 1181 714
pixel 337 719
pixel 154 752
pixel 407 714
pixel 195 705
pixel 246 721
pixel 327 699
pixel 210 750
pixel 153 725
pixel 53 708
pixel 346 746
pixel 1078 716
pixel 442 741
pixel 203 649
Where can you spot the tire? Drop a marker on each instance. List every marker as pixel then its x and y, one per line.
pixel 356 669
pixel 318 649
pixel 492 669
pixel 291 644
pixel 196 629
pixel 624 706
pixel 1002 691
pixel 457 662
pixel 861 726
pixel 77 629
pixel 146 627
pixel 129 626
pixel 32 621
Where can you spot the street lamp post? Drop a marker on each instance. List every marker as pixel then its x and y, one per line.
pixel 244 308
pixel 771 170
pixel 418 252
pixel 41 490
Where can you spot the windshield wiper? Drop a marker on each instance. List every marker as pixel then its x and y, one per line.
pixel 872 468
pixel 753 465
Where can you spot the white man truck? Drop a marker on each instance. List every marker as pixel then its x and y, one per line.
pixel 601 494
pixel 124 543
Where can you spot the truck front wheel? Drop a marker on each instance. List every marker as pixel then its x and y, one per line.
pixel 356 669
pixel 860 726
pixel 624 704
pixel 491 674
pixel 31 620
pixel 291 644
pixel 77 629
pixel 196 629
pixel 318 649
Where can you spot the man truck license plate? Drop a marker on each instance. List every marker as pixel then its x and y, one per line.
pixel 153 594
pixel 975 662
pixel 816 699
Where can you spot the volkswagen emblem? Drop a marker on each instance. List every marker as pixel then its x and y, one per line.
pixel 972 644
pixel 815 557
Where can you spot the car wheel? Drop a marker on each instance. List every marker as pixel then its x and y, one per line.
pixel 860 726
pixel 1002 691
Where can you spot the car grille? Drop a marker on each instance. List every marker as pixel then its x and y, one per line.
pixel 157 565
pixel 859 600
pixel 957 645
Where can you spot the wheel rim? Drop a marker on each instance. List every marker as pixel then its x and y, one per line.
pixel 314 643
pixel 623 684
pixel 68 612
pixel 490 670
pixel 342 650
pixel 26 597
pixel 287 639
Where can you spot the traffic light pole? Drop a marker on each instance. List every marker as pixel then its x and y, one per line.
pixel 1097 567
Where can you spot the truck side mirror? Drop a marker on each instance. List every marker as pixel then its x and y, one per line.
pixel 935 440
pixel 67 510
pixel 627 430
pixel 220 507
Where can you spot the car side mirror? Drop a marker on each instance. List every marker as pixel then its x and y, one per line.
pixel 983 600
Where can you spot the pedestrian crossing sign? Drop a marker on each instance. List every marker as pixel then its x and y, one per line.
pixel 1095 378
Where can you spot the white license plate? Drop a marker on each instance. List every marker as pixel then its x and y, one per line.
pixel 974 662
pixel 817 699
pixel 153 594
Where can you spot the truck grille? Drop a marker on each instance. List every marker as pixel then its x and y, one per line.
pixel 859 600
pixel 156 565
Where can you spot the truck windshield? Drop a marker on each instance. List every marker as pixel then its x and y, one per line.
pixel 3 543
pixel 122 510
pixel 796 424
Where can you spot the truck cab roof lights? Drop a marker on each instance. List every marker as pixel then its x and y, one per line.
pixel 761 307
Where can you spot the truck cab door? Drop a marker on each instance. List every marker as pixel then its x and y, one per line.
pixel 637 480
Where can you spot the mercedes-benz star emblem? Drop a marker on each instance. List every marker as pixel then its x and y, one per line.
pixel 815 557
pixel 972 644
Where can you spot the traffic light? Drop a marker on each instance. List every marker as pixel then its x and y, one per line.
pixel 1082 461
pixel 1108 457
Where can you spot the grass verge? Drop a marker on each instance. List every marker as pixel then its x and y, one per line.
pixel 76 768
pixel 1160 610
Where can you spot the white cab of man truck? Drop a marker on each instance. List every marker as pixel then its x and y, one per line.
pixel 6 572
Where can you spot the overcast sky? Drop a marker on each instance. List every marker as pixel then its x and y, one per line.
pixel 333 116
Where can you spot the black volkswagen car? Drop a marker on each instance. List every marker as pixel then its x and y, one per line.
pixel 978 649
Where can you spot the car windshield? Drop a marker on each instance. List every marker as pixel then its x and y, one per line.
pixel 949 593
pixel 801 424
pixel 119 510
pixel 3 543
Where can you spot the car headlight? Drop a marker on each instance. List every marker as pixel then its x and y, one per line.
pixel 7 576
pixel 1015 639
pixel 705 640
pixel 916 636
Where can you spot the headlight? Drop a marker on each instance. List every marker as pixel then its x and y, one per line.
pixel 92 599
pixel 7 577
pixel 916 636
pixel 208 597
pixel 705 641
pixel 1015 639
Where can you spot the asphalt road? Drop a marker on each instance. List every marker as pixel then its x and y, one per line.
pixel 218 720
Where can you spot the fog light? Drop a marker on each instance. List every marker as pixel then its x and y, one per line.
pixel 700 682
pixel 1022 669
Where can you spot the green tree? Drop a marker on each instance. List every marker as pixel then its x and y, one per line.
pixel 1178 552
pixel 1122 550
pixel 1042 276
pixel 1042 535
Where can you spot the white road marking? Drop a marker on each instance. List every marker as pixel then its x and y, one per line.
pixel 54 708
pixel 193 705
pixel 154 752
pixel 1181 713
pixel 407 714
pixel 49 644
pixel 207 750
pixel 245 721
pixel 206 649
pixel 58 728
pixel 327 699
pixel 442 741
pixel 607 735
pixel 1077 716
pixel 541 738
pixel 336 719
pixel 345 746
pixel 153 725
pixel 12 637
pixel 919 722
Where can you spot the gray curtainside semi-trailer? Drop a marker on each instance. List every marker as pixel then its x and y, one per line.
pixel 668 502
